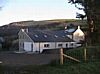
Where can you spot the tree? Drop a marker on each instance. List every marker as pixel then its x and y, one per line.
pixel 92 12
pixel 78 15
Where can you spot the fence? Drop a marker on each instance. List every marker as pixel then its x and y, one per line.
pixel 89 54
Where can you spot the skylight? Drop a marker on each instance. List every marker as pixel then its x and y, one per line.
pixel 36 35
pixel 71 30
pixel 63 36
pixel 56 36
pixel 45 36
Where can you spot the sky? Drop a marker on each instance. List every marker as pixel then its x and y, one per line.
pixel 22 10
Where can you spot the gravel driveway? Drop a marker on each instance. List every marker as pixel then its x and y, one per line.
pixel 20 59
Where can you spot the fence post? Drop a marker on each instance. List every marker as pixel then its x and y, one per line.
pixel 61 56
pixel 85 55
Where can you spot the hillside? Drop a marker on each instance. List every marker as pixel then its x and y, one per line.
pixel 14 27
pixel 10 31
pixel 46 24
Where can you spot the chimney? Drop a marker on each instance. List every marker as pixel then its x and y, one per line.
pixel 78 27
pixel 25 30
pixel 65 27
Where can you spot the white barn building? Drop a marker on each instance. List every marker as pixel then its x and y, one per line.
pixel 39 40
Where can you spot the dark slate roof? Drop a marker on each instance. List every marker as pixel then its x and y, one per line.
pixel 49 36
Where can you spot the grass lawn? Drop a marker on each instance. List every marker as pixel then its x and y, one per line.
pixel 80 68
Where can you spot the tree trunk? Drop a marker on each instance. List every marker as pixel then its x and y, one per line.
pixel 93 21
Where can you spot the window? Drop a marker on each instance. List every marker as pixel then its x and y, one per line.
pixel 59 45
pixel 23 45
pixel 46 45
pixel 71 44
pixel 32 46
pixel 66 45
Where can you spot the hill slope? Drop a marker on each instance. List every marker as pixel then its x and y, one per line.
pixel 10 31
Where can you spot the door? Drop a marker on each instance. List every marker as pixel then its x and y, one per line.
pixel 28 46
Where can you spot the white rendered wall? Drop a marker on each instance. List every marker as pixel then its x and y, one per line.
pixel 78 35
pixel 36 47
pixel 40 46
pixel 51 45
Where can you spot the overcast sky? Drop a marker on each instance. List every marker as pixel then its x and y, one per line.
pixel 22 10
